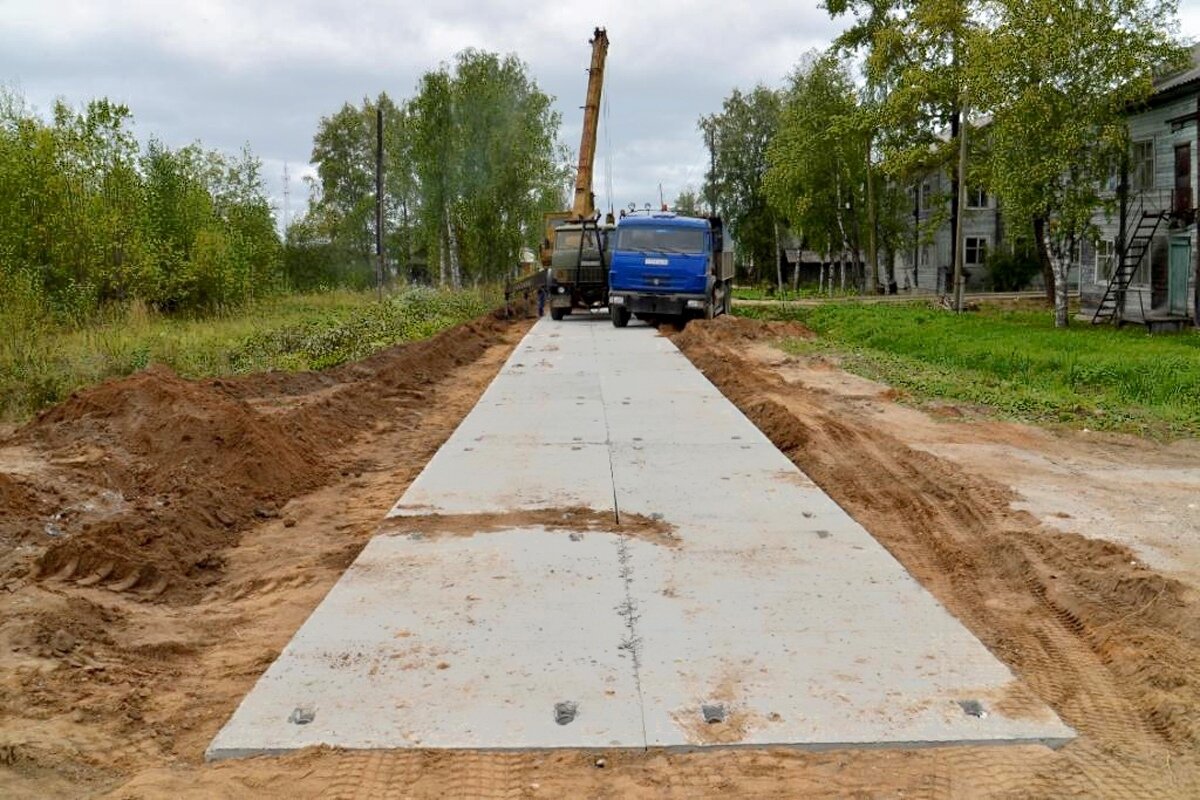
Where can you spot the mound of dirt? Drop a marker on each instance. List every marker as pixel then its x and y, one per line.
pixel 17 499
pixel 176 436
pixel 728 329
pixel 166 470
pixel 158 474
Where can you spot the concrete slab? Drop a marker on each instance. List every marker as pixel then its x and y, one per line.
pixel 494 476
pixel 463 642
pixel 772 608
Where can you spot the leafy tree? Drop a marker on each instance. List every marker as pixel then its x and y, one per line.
pixel 688 203
pixel 471 164
pixel 818 157
pixel 88 217
pixel 740 134
pixel 1058 77
pixel 915 64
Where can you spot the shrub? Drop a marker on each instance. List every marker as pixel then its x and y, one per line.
pixel 1010 272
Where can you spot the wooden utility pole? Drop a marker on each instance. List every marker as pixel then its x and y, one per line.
pixel 379 201
pixel 872 243
pixel 960 246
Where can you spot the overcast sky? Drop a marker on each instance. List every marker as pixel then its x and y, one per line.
pixel 262 72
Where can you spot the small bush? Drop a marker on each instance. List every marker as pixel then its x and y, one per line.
pixel 1011 272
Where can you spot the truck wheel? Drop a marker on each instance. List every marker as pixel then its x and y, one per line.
pixel 620 316
pixel 557 314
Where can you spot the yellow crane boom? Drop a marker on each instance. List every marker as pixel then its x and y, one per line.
pixel 584 205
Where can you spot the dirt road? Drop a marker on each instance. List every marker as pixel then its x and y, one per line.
pixel 146 588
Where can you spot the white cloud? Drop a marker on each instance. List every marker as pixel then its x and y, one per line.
pixel 264 72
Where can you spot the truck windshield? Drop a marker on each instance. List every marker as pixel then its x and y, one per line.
pixel 661 240
pixel 569 240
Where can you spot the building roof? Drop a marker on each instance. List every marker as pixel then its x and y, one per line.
pixel 1177 80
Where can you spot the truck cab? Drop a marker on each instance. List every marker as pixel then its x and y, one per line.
pixel 579 267
pixel 666 266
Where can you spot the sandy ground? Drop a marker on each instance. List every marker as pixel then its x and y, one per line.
pixel 131 627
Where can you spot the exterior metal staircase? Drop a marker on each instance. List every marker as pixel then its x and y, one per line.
pixel 1135 250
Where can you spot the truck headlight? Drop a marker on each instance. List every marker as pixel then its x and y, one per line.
pixel 616 299
pixel 695 304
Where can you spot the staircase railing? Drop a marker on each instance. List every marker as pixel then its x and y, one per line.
pixel 1137 244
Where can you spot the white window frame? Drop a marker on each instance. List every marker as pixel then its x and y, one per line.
pixel 1137 177
pixel 1106 252
pixel 974 194
pixel 983 246
pixel 925 256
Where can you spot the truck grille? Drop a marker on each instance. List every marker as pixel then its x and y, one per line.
pixel 582 275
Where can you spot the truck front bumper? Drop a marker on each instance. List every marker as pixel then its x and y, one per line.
pixel 674 305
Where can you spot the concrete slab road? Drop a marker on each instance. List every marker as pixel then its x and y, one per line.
pixel 607 553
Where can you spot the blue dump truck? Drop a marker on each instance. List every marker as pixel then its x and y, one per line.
pixel 667 267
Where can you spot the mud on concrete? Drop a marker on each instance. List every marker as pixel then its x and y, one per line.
pixel 576 520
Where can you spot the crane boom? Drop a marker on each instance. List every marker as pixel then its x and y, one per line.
pixel 584 205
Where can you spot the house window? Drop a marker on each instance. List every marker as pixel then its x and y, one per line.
pixel 1141 276
pixel 976 250
pixel 1113 181
pixel 925 256
pixel 926 195
pixel 976 198
pixel 1106 254
pixel 1142 166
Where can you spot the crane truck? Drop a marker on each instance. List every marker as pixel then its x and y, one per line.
pixel 668 267
pixel 575 241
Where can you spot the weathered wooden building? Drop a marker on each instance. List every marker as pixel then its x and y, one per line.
pixel 928 262
pixel 1142 266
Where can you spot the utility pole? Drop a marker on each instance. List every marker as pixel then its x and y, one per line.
pixel 287 198
pixel 960 246
pixel 872 226
pixel 379 200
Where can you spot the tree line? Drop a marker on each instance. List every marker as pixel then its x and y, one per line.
pixel 471 163
pixel 833 154
pixel 88 216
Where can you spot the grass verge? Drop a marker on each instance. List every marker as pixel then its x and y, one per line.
pixel 1015 362
pixel 802 293
pixel 43 361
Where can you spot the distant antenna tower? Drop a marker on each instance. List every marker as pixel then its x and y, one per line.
pixel 287 198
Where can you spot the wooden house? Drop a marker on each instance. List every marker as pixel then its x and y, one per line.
pixel 1142 267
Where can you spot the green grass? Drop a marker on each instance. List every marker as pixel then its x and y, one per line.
pixel 1016 363
pixel 802 293
pixel 42 361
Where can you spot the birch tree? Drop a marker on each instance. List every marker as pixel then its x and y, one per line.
pixel 1058 77
pixel 818 157
pixel 741 133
